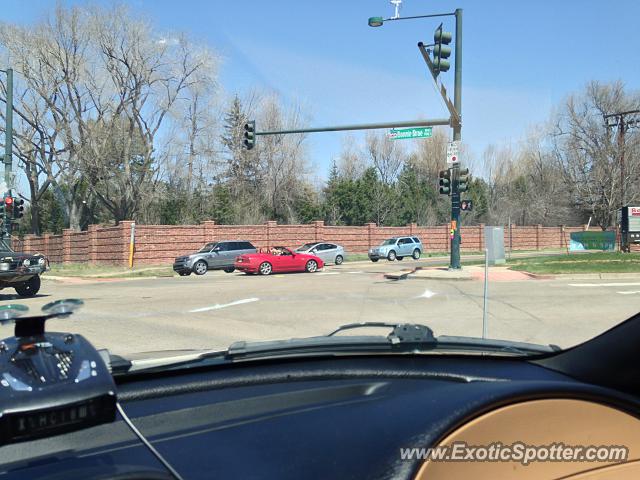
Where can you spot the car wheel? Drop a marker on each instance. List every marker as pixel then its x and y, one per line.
pixel 230 269
pixel 184 274
pixel 265 268
pixel 311 266
pixel 416 254
pixel 391 256
pixel 29 288
pixel 374 260
pixel 339 260
pixel 200 267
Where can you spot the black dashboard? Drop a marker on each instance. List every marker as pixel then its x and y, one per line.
pixel 313 418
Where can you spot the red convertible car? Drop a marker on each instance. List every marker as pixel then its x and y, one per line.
pixel 276 260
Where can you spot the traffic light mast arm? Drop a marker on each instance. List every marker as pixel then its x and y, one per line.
pixel 455 117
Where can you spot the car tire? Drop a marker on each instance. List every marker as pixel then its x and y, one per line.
pixel 265 268
pixel 230 269
pixel 374 260
pixel 311 266
pixel 339 260
pixel 184 274
pixel 416 254
pixel 29 288
pixel 391 256
pixel 200 267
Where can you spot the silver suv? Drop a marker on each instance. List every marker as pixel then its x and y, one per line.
pixel 397 248
pixel 213 256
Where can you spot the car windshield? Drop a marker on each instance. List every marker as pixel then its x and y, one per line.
pixel 208 247
pixel 144 130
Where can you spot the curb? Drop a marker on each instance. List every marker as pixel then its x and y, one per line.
pixel 582 276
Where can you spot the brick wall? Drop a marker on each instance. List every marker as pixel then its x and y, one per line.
pixel 160 244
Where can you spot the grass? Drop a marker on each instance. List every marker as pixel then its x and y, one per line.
pixel 107 271
pixel 601 262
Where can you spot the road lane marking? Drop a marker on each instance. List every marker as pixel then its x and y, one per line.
pixel 356 271
pixel 328 273
pixel 224 305
pixel 427 294
pixel 631 284
pixel 629 292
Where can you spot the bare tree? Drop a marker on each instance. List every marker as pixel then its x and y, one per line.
pixel 589 154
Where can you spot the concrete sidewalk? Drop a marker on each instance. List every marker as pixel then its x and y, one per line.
pixel 473 272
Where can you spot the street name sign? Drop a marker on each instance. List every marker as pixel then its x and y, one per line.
pixel 403 133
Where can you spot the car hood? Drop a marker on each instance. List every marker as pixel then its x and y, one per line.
pixel 20 255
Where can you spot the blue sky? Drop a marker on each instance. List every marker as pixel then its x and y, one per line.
pixel 521 58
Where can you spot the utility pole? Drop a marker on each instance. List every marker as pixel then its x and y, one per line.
pixel 620 121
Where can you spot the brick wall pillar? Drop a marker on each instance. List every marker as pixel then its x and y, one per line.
pixel 270 227
pixel 92 240
pixel 413 227
pixel 562 239
pixel 481 239
pixel 370 227
pixel 209 231
pixel 538 236
pixel 318 230
pixel 125 237
pixel 46 244
pixel 28 243
pixel 66 245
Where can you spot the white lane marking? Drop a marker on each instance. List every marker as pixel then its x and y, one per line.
pixel 604 284
pixel 356 271
pixel 629 292
pixel 328 273
pixel 427 294
pixel 224 305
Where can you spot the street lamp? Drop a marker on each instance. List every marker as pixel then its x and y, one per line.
pixel 376 21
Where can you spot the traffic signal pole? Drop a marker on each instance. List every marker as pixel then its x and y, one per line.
pixel 5 235
pixel 454 261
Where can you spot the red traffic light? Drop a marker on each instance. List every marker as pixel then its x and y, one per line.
pixel 8 200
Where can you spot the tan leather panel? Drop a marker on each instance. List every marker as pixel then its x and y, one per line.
pixel 624 471
pixel 542 422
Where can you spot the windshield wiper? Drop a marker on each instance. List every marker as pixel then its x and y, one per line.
pixel 407 338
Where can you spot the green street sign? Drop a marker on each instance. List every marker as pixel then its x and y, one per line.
pixel 402 133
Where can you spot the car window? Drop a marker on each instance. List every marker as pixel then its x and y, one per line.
pixel 391 241
pixel 306 246
pixel 222 247
pixel 330 246
pixel 207 247
pixel 246 246
pixel 416 240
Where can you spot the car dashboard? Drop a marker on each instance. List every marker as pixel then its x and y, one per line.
pixel 333 418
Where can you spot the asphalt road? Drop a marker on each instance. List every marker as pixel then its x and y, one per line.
pixel 216 309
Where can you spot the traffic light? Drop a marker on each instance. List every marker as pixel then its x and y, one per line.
pixel 466 205
pixel 8 207
pixel 441 50
pixel 18 208
pixel 463 180
pixel 444 181
pixel 250 134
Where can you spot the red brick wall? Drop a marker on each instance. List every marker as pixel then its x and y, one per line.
pixel 160 244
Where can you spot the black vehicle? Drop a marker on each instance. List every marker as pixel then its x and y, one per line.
pixel 21 271
pixel 213 256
